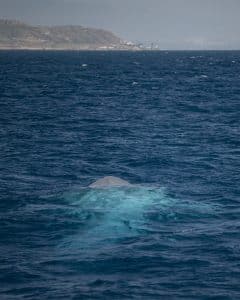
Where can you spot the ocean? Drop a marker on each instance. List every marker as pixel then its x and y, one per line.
pixel 166 122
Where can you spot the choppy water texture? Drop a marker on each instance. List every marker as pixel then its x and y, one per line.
pixel 166 122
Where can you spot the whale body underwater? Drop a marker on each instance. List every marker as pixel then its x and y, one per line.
pixel 111 208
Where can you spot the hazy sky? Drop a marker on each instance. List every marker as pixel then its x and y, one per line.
pixel 174 24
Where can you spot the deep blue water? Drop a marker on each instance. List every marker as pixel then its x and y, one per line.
pixel 167 122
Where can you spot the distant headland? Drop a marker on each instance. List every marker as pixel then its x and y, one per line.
pixel 19 35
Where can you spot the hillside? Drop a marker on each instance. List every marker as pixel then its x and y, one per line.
pixel 18 35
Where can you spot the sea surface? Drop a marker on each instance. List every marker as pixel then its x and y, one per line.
pixel 168 123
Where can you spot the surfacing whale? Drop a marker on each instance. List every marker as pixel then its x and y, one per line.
pixel 109 181
pixel 111 209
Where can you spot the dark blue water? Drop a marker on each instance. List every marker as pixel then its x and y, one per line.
pixel 167 122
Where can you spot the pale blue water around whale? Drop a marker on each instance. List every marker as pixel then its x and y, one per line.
pixel 167 122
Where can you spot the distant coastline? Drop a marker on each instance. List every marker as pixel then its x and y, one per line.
pixel 15 35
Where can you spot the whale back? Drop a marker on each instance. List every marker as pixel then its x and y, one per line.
pixel 109 181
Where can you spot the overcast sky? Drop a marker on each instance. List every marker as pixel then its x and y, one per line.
pixel 174 24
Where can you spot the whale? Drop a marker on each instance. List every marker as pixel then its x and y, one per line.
pixel 109 181
pixel 112 209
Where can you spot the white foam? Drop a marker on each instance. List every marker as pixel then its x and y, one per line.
pixel 134 83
